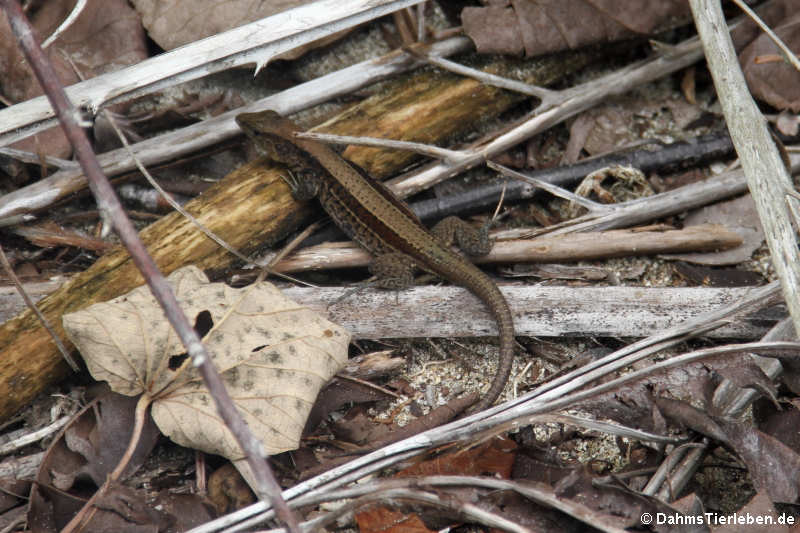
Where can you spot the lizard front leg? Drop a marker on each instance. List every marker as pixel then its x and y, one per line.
pixel 303 184
pixel 453 230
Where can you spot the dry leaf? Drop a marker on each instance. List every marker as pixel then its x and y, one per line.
pixel 544 26
pixel 274 356
pixel 173 23
pixel 770 78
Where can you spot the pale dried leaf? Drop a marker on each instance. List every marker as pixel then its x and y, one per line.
pixel 274 356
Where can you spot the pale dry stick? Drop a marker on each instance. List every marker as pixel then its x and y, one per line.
pixel 213 131
pixel 547 96
pixel 450 156
pixel 560 248
pixel 253 43
pixel 542 497
pixel 518 408
pixel 766 175
pixel 34 436
pixel 418 497
pixel 421 22
pixel 107 201
pixel 32 306
pixel 787 53
pixel 73 15
pixel 555 190
pixel 15 524
pixel 286 250
pixel 370 385
pixel 36 159
pixel 604 427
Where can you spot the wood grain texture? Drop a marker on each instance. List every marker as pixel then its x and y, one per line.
pixel 538 311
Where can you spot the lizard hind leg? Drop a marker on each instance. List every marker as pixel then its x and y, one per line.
pixel 393 270
pixel 472 241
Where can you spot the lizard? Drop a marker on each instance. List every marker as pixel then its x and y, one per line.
pixel 370 214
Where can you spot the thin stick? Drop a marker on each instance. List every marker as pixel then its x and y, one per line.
pixel 32 306
pixel 108 202
pixel 450 156
pixel 64 26
pixel 546 95
pixel 786 52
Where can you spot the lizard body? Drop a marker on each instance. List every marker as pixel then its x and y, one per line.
pixel 370 214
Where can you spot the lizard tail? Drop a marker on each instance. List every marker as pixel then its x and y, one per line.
pixel 496 302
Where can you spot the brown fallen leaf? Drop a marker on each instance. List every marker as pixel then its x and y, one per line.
pixel 494 457
pixel 273 354
pixel 773 80
pixel 544 26
pixel 85 452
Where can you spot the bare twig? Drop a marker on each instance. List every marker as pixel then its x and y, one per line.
pixel 35 436
pixel 73 15
pixel 544 249
pixel 30 157
pixel 32 306
pixel 451 156
pixel 546 95
pixel 108 203
pixel 785 50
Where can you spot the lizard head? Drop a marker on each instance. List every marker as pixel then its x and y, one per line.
pixel 269 131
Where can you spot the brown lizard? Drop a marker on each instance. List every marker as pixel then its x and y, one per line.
pixel 370 214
